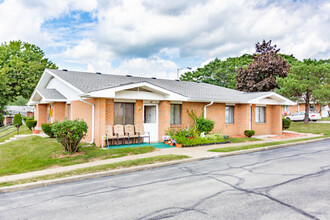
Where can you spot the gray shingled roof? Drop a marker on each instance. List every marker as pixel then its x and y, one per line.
pixel 89 82
pixel 52 94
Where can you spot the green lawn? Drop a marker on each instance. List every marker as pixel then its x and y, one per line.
pixel 315 128
pixel 127 163
pixel 37 153
pixel 250 146
pixel 22 130
pixel 325 119
pixel 245 139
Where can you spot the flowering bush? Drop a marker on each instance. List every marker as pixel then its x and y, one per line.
pixel 166 138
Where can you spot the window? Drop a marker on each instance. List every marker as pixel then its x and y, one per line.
pixel 285 108
pixel 260 114
pixel 149 114
pixel 229 114
pixel 124 113
pixel 175 114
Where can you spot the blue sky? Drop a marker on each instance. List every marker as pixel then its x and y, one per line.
pixel 149 37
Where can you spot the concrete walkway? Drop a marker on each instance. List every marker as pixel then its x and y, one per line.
pixel 193 152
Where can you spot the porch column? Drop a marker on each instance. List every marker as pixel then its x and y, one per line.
pixel 58 111
pixel 276 123
pixel 164 113
pixel 100 120
pixel 243 118
pixel 138 115
pixel 40 115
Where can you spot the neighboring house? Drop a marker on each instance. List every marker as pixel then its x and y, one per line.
pixel 158 104
pixel 300 106
pixel 11 111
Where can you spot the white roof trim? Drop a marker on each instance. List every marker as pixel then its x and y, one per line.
pixel 285 101
pixel 111 92
pixel 63 81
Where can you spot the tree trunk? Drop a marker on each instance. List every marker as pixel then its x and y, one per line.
pixel 307 105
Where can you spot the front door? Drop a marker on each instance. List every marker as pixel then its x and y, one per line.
pixel 150 120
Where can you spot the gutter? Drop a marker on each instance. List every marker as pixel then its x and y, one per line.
pixel 250 117
pixel 93 118
pixel 207 106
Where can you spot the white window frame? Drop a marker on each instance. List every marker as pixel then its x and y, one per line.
pixel 258 115
pixel 230 112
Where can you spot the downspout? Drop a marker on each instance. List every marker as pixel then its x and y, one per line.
pixel 206 107
pixel 93 118
pixel 250 117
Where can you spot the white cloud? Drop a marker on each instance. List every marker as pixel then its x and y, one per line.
pixel 146 37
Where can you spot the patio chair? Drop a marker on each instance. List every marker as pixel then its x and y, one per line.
pixel 139 130
pixel 119 133
pixel 129 131
pixel 109 135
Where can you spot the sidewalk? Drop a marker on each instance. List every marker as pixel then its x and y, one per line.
pixel 193 152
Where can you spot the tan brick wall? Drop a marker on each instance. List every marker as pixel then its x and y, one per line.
pixel 80 110
pixel 138 112
pixel 273 124
pixel 163 118
pixel 242 116
pixel 216 112
pixel 40 114
pixel 58 111
pixel 110 111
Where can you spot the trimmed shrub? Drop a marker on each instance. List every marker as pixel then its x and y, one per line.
pixel 69 133
pixel 17 120
pixel 31 124
pixel 204 125
pixel 286 123
pixel 27 118
pixel 47 129
pixel 249 133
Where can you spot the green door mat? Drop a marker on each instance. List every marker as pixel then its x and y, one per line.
pixel 159 145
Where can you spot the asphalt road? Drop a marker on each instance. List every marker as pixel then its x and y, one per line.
pixel 286 183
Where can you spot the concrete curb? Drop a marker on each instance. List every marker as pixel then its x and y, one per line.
pixel 143 167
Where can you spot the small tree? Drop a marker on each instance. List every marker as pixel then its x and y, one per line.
pixel 309 81
pixel 69 133
pixel 18 120
pixel 260 75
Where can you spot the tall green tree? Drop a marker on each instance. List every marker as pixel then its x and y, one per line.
pixel 308 80
pixel 260 75
pixel 217 72
pixel 21 66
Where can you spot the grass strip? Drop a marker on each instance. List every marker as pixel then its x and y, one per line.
pixel 94 169
pixel 22 131
pixel 251 146
pixel 36 153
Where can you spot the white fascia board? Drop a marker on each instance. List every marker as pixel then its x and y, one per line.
pixel 65 82
pixel 42 78
pixel 284 101
pixel 111 93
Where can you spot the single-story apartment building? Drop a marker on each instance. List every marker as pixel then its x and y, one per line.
pixel 300 107
pixel 159 104
pixel 12 110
